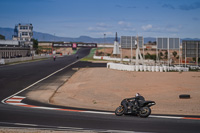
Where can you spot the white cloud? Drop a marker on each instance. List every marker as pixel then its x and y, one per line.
pixel 99 27
pixel 129 29
pixel 124 24
pixel 147 27
pixel 102 25
pixel 96 29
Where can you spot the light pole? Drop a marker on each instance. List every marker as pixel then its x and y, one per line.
pixel 104 43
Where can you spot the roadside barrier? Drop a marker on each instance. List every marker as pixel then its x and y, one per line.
pixel 144 68
pixel 11 60
pixel 119 59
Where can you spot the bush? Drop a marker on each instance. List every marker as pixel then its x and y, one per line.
pixel 108 54
pixel 125 56
pixel 149 56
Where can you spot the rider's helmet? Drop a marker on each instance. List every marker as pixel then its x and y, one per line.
pixel 137 94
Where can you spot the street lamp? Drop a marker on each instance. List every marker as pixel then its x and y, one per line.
pixel 104 43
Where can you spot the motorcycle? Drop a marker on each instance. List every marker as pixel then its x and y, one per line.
pixel 143 109
pixel 77 56
pixel 54 58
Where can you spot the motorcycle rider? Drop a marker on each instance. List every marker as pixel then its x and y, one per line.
pixel 54 57
pixel 77 56
pixel 130 102
pixel 137 98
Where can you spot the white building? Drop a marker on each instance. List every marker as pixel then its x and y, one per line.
pixel 23 33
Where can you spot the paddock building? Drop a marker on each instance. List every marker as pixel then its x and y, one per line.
pixel 13 49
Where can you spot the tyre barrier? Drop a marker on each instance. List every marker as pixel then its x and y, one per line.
pixel 184 96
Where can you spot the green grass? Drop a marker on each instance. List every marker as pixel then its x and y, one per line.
pixel 89 57
pixel 74 51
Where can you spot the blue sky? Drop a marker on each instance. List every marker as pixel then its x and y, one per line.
pixel 74 18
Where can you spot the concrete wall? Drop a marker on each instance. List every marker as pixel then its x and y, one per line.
pixel 11 53
pixel 119 59
pixel 11 60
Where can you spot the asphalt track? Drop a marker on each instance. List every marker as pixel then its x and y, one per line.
pixel 14 78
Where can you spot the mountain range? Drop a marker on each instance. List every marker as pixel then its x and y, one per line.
pixel 9 32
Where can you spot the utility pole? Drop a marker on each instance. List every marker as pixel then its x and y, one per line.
pixel 131 50
pixel 179 53
pixel 121 50
pixel 104 43
pixel 197 54
pixel 185 55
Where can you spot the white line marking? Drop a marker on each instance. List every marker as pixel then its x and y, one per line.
pixel 18 97
pixel 17 100
pixel 3 101
pixel 38 127
pixel 22 124
pixel 49 108
pixel 18 104
pixel 71 128
pixel 96 112
pixel 171 117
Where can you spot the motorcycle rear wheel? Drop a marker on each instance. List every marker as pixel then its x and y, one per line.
pixel 144 112
pixel 119 111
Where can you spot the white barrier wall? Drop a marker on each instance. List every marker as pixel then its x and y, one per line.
pixel 119 59
pixel 11 60
pixel 136 68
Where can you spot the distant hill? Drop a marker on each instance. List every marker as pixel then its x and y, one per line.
pixel 8 32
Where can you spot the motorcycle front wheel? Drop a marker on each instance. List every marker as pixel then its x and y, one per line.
pixel 144 112
pixel 119 111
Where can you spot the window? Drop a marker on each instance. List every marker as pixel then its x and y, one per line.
pixel 23 27
pixel 30 27
pixel 24 33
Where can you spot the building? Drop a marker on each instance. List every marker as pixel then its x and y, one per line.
pixel 191 49
pixel 12 49
pixel 23 33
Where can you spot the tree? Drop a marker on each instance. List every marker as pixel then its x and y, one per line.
pixel 166 54
pixel 2 37
pixel 161 54
pixel 35 43
pixel 174 53
pixel 147 56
